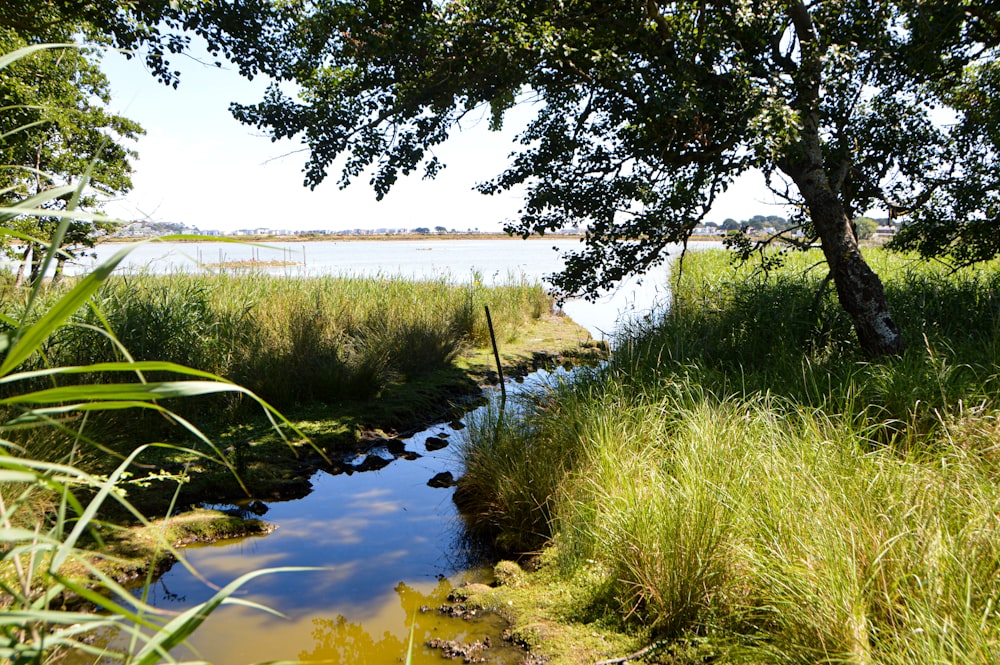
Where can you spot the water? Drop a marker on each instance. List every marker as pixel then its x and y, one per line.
pixel 490 261
pixel 387 542
pixel 493 260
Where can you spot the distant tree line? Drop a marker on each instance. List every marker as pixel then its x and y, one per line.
pixel 758 223
pixel 864 227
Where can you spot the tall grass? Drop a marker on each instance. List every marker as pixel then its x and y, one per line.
pixel 295 340
pixel 741 478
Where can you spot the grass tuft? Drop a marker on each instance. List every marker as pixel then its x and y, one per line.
pixel 740 478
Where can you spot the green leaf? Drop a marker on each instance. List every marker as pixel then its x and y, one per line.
pixel 14 56
pixel 32 206
pixel 135 366
pixel 88 515
pixel 124 391
pixel 31 339
pixel 16 477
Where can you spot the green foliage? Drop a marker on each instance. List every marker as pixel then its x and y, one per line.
pixel 865 227
pixel 647 111
pixel 292 341
pixel 956 221
pixel 714 487
pixel 159 27
pixel 54 128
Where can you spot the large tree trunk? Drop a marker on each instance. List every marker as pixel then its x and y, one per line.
pixel 858 287
pixel 57 274
pixel 37 254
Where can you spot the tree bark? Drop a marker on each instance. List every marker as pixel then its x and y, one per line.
pixel 57 274
pixel 859 289
pixel 19 280
pixel 37 255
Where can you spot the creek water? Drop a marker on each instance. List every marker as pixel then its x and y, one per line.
pixel 389 547
pixel 386 542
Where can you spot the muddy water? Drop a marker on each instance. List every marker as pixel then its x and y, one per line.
pixel 388 544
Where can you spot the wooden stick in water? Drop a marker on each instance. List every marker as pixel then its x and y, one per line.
pixel 496 354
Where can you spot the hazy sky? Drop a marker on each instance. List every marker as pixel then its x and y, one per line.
pixel 199 166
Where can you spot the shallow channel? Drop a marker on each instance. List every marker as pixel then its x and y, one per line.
pixel 390 546
pixel 387 543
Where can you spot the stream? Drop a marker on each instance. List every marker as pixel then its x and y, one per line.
pixel 389 545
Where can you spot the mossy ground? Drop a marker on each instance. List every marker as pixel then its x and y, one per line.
pixel 131 554
pixel 544 610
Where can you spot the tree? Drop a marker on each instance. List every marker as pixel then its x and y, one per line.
pixel 54 128
pixel 646 111
pixel 159 27
pixel 959 218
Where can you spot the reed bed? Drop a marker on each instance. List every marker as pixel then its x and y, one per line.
pixel 293 340
pixel 741 481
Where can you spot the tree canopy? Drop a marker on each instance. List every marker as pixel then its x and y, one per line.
pixel 957 216
pixel 157 28
pixel 646 111
pixel 54 129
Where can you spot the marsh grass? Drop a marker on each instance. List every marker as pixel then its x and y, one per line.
pixel 740 478
pixel 294 340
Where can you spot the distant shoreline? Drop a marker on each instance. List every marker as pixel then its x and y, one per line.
pixel 372 237
pixel 318 237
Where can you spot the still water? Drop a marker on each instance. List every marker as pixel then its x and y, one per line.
pixel 387 542
pixel 489 261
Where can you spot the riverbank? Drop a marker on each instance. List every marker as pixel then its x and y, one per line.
pixel 272 469
pixel 739 484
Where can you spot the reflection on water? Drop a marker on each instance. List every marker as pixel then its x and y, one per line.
pixel 383 638
pixel 387 544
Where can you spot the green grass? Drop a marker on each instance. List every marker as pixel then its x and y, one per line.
pixel 293 341
pixel 740 481
pixel 343 355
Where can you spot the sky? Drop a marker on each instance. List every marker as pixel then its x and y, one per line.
pixel 198 166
